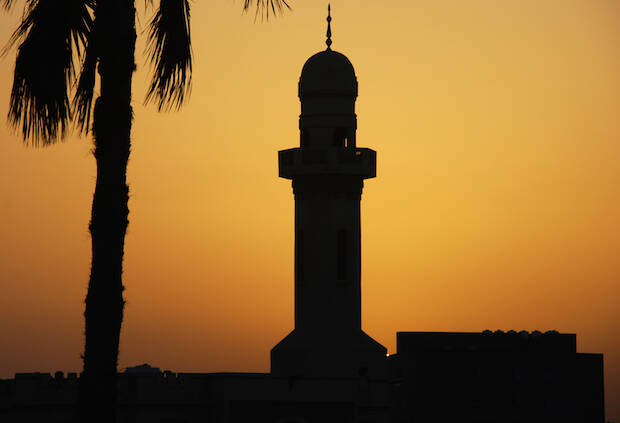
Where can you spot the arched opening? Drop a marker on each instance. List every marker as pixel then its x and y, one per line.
pixel 340 137
pixel 304 137
pixel 341 259
pixel 299 252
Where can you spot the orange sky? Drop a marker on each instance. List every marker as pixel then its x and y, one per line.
pixel 496 203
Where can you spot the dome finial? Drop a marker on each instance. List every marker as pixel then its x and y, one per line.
pixel 329 27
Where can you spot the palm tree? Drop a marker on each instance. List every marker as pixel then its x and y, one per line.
pixel 101 35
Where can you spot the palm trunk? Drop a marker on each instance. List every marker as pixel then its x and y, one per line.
pixel 115 36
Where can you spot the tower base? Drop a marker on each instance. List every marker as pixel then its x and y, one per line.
pixel 333 354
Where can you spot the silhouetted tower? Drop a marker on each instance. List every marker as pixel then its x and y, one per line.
pixel 328 171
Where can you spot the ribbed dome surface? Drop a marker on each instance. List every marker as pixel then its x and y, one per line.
pixel 328 72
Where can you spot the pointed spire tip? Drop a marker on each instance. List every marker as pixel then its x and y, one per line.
pixel 329 26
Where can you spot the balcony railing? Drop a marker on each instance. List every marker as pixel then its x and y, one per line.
pixel 309 161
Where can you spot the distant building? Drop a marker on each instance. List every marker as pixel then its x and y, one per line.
pixel 495 377
pixel 327 369
pixel 143 369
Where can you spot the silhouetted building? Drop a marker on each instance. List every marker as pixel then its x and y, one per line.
pixel 327 369
pixel 495 377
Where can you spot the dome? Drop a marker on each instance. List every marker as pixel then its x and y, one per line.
pixel 328 72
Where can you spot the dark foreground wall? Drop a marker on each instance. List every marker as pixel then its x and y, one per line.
pixel 209 397
pixel 435 377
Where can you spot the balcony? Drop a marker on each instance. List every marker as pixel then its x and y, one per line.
pixel 327 161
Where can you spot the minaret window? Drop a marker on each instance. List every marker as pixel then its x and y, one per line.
pixel 342 255
pixel 340 137
pixel 299 261
pixel 304 137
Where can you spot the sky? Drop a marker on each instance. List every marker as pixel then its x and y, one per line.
pixel 496 203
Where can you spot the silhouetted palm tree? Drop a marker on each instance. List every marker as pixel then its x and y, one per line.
pixel 101 35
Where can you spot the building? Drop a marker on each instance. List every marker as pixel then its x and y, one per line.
pixel 495 377
pixel 327 369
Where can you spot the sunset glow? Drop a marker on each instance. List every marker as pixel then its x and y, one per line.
pixel 496 203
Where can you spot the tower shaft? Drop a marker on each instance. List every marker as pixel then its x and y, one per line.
pixel 327 253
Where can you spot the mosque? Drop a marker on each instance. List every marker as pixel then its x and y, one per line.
pixel 328 369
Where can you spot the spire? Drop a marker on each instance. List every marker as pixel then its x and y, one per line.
pixel 329 27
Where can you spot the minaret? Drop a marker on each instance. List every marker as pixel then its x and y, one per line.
pixel 327 171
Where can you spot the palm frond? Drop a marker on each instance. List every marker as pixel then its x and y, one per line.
pixel 170 51
pixel 50 33
pixel 8 4
pixel 266 7
pixel 83 99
